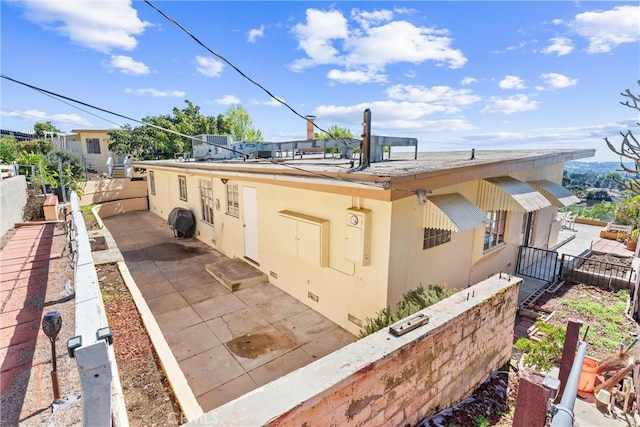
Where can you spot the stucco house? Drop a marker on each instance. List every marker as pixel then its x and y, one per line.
pixel 349 242
pixel 93 146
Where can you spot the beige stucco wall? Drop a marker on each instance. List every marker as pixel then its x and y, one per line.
pixel 343 288
pixel 398 262
pixel 99 191
pixel 13 198
pixel 461 262
pixel 77 143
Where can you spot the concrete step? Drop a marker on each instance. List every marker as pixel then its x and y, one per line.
pixel 236 274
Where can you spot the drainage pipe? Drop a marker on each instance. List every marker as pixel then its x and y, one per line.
pixel 563 416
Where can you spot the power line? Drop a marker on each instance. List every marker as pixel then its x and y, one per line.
pixel 62 97
pixel 229 63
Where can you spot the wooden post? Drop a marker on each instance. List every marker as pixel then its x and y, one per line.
pixel 531 404
pixel 568 354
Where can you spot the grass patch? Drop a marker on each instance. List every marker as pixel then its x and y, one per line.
pixel 89 219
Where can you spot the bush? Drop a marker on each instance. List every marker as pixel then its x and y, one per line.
pixel 627 212
pixel 68 159
pixel 8 150
pixel 544 354
pixel 412 302
pixel 36 146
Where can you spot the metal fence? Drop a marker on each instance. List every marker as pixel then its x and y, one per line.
pixel 550 266
pixel 537 263
pixel 603 274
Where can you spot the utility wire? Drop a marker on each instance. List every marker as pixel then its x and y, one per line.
pixel 226 61
pixel 306 171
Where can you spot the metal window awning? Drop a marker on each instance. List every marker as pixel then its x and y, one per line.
pixel 509 194
pixel 453 212
pixel 555 193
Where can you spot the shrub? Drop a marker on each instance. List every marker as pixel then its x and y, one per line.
pixel 627 212
pixel 545 353
pixel 36 146
pixel 8 150
pixel 412 302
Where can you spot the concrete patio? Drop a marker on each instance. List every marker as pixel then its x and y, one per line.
pixel 226 343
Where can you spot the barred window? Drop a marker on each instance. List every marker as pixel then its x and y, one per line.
pixel 233 204
pixel 434 237
pixel 206 201
pixel 182 184
pixel 93 145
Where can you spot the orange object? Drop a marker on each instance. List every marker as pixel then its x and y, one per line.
pixel 588 375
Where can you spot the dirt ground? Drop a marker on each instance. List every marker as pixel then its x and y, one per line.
pixel 493 403
pixel 147 394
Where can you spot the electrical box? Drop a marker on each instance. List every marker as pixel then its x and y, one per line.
pixel 305 237
pixel 358 236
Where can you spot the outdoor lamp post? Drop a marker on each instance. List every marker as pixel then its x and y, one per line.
pixel 51 324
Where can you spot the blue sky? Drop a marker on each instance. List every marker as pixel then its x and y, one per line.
pixel 456 75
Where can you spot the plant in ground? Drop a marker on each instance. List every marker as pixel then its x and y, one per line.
pixel 604 328
pixel 412 302
pixel 480 421
pixel 543 354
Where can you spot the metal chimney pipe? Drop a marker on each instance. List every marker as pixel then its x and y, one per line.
pixel 564 410
pixel 365 155
pixel 310 120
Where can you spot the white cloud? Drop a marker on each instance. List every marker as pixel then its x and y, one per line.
pixel 356 76
pixel 511 82
pixel 227 100
pixel 255 33
pixel 271 103
pixel 511 104
pixel 557 21
pixel 127 65
pixel 156 92
pixel 412 127
pixel 607 29
pixel 384 111
pixel 373 41
pixel 559 45
pixel 366 19
pixel 557 81
pixel 38 115
pixel 208 66
pixel 441 95
pixel 98 25
pixel 468 81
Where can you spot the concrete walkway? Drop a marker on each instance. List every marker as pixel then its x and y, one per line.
pixel 226 343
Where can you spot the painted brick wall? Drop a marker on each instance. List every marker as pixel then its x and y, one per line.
pixel 383 380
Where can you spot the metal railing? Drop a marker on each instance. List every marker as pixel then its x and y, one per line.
pixel 537 263
pixel 606 275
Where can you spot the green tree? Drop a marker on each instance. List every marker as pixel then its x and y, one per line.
pixel 147 141
pixel 36 146
pixel 240 125
pixel 630 145
pixel 39 128
pixel 8 150
pixel 69 159
pixel 335 131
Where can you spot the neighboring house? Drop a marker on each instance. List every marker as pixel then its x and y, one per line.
pixel 93 146
pixel 351 243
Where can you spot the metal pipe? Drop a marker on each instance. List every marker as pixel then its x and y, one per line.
pixel 563 416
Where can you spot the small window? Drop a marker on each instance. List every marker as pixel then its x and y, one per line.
pixel 93 146
pixel 434 237
pixel 152 182
pixel 206 201
pixel 233 205
pixel 494 232
pixel 182 183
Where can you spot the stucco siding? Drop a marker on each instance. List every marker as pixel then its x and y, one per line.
pixel 342 287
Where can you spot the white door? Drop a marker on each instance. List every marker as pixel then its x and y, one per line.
pixel 250 204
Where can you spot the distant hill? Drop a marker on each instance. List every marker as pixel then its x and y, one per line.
pixel 593 167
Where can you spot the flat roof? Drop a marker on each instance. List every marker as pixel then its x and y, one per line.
pixel 399 165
